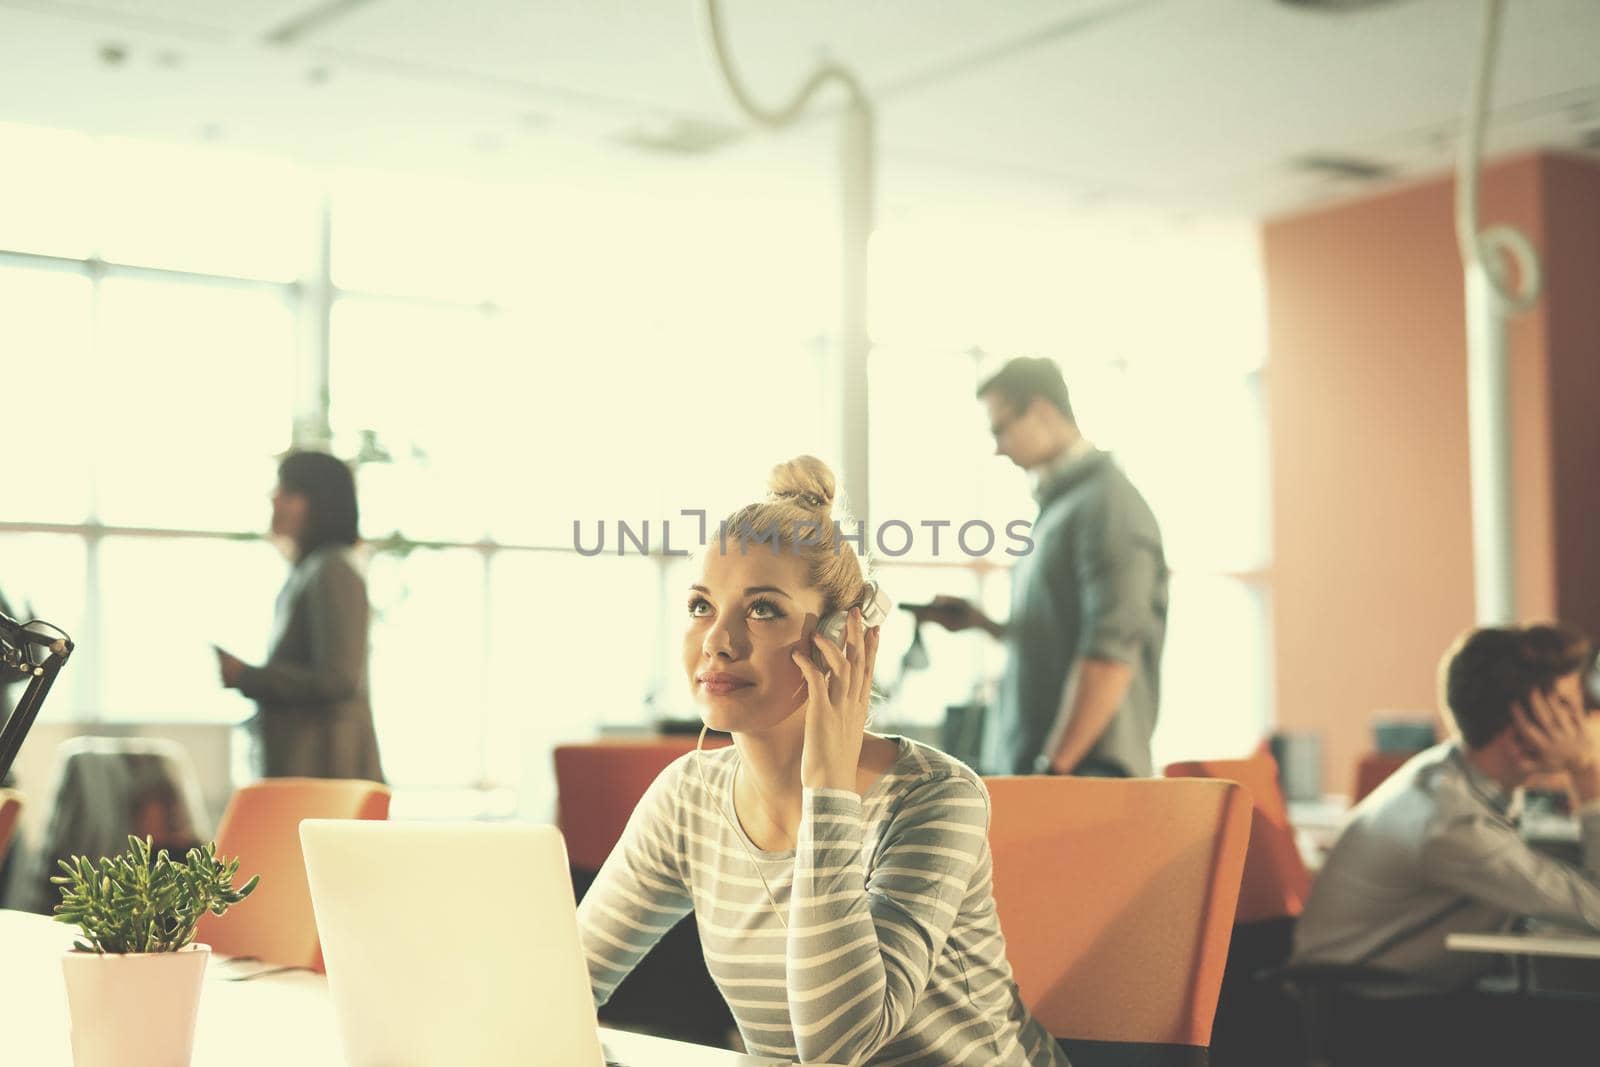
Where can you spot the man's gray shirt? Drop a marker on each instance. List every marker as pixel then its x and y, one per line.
pixel 1094 586
pixel 1433 851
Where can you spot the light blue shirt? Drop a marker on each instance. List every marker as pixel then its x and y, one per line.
pixel 1433 851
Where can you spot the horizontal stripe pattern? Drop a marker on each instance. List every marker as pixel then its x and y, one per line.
pixel 892 953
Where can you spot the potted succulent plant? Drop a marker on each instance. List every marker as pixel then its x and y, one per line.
pixel 133 979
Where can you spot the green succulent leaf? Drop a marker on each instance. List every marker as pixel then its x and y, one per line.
pixel 139 902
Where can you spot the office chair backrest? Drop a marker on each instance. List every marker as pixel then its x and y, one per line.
pixel 1373 770
pixel 104 789
pixel 598 784
pixel 1276 882
pixel 261 827
pixel 1116 897
pixel 10 812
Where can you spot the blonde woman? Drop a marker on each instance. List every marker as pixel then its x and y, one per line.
pixel 840 879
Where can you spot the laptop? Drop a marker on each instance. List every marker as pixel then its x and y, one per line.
pixel 449 944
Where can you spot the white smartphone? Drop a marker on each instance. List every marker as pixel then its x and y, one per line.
pixel 873 613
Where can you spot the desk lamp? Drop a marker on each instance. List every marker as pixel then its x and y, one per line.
pixel 36 651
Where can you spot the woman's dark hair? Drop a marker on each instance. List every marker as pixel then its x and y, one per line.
pixel 332 517
pixel 1488 670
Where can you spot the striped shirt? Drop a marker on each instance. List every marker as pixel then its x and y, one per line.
pixel 893 952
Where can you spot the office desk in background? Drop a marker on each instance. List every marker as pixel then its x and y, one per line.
pixel 275 1020
pixel 1317 824
pixel 1544 961
pixel 1562 946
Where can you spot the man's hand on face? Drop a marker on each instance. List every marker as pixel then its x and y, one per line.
pixel 1552 734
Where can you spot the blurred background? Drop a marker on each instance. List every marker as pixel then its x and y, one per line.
pixel 526 266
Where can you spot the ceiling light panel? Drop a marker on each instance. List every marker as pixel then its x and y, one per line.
pixel 231 19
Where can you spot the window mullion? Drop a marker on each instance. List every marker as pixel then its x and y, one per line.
pixel 312 427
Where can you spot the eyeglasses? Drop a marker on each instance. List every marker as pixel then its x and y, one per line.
pixel 998 429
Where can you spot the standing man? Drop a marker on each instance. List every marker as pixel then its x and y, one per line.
pixel 1088 604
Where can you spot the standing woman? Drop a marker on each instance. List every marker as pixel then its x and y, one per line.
pixel 313 718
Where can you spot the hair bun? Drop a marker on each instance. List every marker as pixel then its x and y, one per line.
pixel 806 480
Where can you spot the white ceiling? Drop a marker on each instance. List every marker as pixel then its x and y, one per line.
pixel 1198 106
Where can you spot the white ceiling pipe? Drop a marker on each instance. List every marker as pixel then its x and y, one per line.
pixel 847 417
pixel 1492 302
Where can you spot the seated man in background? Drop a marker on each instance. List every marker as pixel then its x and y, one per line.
pixel 1435 850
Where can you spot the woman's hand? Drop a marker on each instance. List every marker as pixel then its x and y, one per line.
pixel 836 705
pixel 229 667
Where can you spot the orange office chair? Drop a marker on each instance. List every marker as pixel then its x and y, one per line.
pixel 1116 898
pixel 10 812
pixel 261 827
pixel 1276 882
pixel 1255 1019
pixel 1374 769
pixel 598 784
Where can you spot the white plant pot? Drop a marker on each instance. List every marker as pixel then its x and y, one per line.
pixel 135 1010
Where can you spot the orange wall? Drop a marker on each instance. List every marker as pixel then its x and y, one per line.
pixel 1372 549
pixel 1570 189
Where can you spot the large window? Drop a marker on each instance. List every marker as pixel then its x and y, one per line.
pixel 504 361
pixel 1159 332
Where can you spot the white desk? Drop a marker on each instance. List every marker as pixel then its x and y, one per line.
pixel 1544 828
pixel 1317 824
pixel 275 1020
pixel 1566 946
pixel 1546 961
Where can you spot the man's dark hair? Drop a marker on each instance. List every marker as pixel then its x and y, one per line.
pixel 1488 670
pixel 1026 377
pixel 330 491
